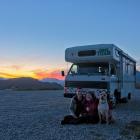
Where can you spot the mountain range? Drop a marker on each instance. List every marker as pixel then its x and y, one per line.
pixel 28 84
pixel 53 80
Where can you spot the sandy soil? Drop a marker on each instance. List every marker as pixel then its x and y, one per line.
pixel 36 115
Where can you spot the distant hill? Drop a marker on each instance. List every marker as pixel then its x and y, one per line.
pixel 28 84
pixel 53 80
pixel 2 78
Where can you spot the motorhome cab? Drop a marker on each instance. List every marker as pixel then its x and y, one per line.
pixel 100 67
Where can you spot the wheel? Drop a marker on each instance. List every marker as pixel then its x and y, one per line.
pixel 117 96
pixel 129 96
pixel 124 100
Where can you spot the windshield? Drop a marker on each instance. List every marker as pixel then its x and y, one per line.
pixel 90 69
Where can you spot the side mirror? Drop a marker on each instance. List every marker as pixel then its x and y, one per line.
pixel 62 73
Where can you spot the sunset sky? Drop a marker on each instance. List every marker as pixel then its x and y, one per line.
pixel 35 33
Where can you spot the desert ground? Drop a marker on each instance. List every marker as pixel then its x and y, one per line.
pixel 36 115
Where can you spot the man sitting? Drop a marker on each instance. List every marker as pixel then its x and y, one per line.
pixel 76 109
pixel 77 105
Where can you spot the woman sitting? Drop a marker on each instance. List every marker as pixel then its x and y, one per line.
pixel 90 109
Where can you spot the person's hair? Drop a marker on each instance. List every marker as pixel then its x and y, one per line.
pixel 92 94
pixel 76 97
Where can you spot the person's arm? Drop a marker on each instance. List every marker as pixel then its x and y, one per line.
pixel 73 106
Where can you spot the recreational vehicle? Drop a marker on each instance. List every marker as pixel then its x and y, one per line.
pixel 100 67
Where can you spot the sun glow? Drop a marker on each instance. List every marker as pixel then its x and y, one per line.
pixel 16 71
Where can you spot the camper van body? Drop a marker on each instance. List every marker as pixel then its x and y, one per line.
pixel 100 67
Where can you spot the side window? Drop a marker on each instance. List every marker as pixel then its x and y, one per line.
pixel 112 70
pixel 129 68
pixel 126 66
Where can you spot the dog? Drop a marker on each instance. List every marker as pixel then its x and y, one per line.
pixel 103 107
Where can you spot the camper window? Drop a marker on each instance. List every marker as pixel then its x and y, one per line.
pixel 87 53
pixel 112 70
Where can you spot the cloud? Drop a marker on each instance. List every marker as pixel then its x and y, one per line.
pixel 7 75
pixel 41 74
pixel 14 67
pixel 15 71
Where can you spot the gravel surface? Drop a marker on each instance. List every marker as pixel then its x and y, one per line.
pixel 36 115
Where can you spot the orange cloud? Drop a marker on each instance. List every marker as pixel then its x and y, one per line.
pixel 41 74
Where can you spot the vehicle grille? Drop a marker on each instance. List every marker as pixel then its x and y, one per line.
pixel 87 84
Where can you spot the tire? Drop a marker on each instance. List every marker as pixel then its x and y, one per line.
pixel 129 96
pixel 117 96
pixel 124 100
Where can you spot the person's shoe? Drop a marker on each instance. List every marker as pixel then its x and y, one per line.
pixel 103 122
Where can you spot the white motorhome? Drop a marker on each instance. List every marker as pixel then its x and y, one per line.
pixel 100 67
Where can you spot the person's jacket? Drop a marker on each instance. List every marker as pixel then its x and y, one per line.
pixel 76 106
pixel 90 107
